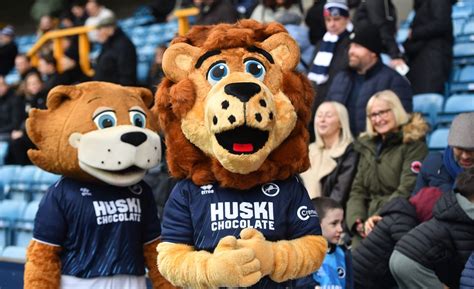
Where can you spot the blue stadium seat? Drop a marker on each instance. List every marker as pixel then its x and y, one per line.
pixel 458 25
pixel 463 49
pixel 466 74
pixel 10 210
pixel 14 252
pixel 45 180
pixel 438 139
pixel 7 173
pixel 12 78
pixel 3 152
pixel 23 181
pixel 459 103
pixel 461 10
pixel 23 228
pixel 468 28
pixel 142 72
pixel 429 104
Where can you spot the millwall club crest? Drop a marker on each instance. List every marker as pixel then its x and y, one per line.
pixel 270 189
pixel 136 189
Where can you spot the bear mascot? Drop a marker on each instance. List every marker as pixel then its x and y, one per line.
pixel 234 114
pixel 97 227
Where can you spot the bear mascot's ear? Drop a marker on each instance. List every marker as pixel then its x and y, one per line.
pixel 283 49
pixel 178 60
pixel 144 93
pixel 61 93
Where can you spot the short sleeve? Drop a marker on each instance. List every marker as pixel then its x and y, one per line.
pixel 50 222
pixel 152 225
pixel 303 217
pixel 177 225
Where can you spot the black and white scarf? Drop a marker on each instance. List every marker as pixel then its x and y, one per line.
pixel 319 70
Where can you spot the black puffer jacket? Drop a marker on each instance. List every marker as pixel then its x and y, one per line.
pixel 444 243
pixel 370 258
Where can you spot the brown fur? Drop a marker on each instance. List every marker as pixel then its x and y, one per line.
pixel 158 282
pixel 43 266
pixel 174 100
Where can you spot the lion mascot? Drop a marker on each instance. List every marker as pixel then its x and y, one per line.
pixel 97 226
pixel 234 114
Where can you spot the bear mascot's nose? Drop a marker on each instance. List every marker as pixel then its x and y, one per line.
pixel 134 138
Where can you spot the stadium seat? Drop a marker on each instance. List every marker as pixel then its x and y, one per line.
pixel 45 180
pixel 438 139
pixel 142 72
pixel 10 210
pixel 23 228
pixel 429 104
pixel 461 10
pixel 458 25
pixel 22 182
pixel 3 152
pixel 7 172
pixel 14 252
pixel 463 49
pixel 459 103
pixel 466 74
pixel 468 28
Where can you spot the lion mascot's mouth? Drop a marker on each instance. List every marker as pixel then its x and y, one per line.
pixel 242 139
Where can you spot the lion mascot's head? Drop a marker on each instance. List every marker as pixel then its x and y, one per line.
pixel 232 106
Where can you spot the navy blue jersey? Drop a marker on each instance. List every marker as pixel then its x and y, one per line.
pixel 202 215
pixel 101 228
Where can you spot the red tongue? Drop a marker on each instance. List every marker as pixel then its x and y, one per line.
pixel 243 147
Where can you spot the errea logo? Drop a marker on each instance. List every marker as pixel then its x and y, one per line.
pixel 270 189
pixel 304 213
pixel 206 189
pixel 85 192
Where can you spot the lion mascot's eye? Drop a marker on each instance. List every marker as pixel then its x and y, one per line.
pixel 255 68
pixel 138 118
pixel 105 119
pixel 217 71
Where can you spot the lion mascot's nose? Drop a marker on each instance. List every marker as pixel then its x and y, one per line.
pixel 242 90
pixel 134 138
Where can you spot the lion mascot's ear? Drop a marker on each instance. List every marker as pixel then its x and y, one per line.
pixel 283 49
pixel 61 93
pixel 178 60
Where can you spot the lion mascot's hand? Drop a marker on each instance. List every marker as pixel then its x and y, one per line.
pixel 284 260
pixel 227 266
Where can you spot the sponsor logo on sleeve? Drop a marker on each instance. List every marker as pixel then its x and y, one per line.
pixel 304 213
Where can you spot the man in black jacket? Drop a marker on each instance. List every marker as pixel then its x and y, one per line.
pixel 8 50
pixel 117 62
pixel 366 76
pixel 434 253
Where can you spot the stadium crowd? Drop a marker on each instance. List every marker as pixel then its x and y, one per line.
pixel 405 211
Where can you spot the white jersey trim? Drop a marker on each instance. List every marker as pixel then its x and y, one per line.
pixel 151 241
pixel 46 243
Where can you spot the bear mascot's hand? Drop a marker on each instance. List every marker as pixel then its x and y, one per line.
pixel 251 238
pixel 228 266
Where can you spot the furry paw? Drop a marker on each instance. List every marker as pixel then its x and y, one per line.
pixel 251 238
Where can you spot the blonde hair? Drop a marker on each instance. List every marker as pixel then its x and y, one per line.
pixel 345 135
pixel 401 116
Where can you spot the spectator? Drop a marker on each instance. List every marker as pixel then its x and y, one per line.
pixel 46 24
pixel 366 76
pixel 8 50
pixel 429 46
pixel 79 14
pixel 97 12
pixel 391 145
pixel 332 157
pixel 269 10
pixel 398 217
pixel 215 11
pixel 10 111
pixel 162 9
pixel 23 65
pixel 467 276
pixel 117 61
pixel 331 52
pixel 383 15
pixel 435 252
pixel 156 70
pixel 336 270
pixel 34 97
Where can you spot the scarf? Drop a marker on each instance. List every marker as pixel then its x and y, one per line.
pixel 322 61
pixel 450 163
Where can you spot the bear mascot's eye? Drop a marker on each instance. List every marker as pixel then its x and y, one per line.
pixel 255 68
pixel 217 71
pixel 138 118
pixel 105 119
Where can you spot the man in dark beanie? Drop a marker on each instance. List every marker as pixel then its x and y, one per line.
pixel 434 253
pixel 365 76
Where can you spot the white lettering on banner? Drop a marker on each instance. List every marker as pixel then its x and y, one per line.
pixel 122 210
pixel 235 215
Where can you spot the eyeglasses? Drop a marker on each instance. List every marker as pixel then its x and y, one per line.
pixel 382 114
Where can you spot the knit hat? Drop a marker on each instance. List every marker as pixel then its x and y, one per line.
pixel 461 133
pixel 107 22
pixel 336 8
pixel 8 31
pixel 367 36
